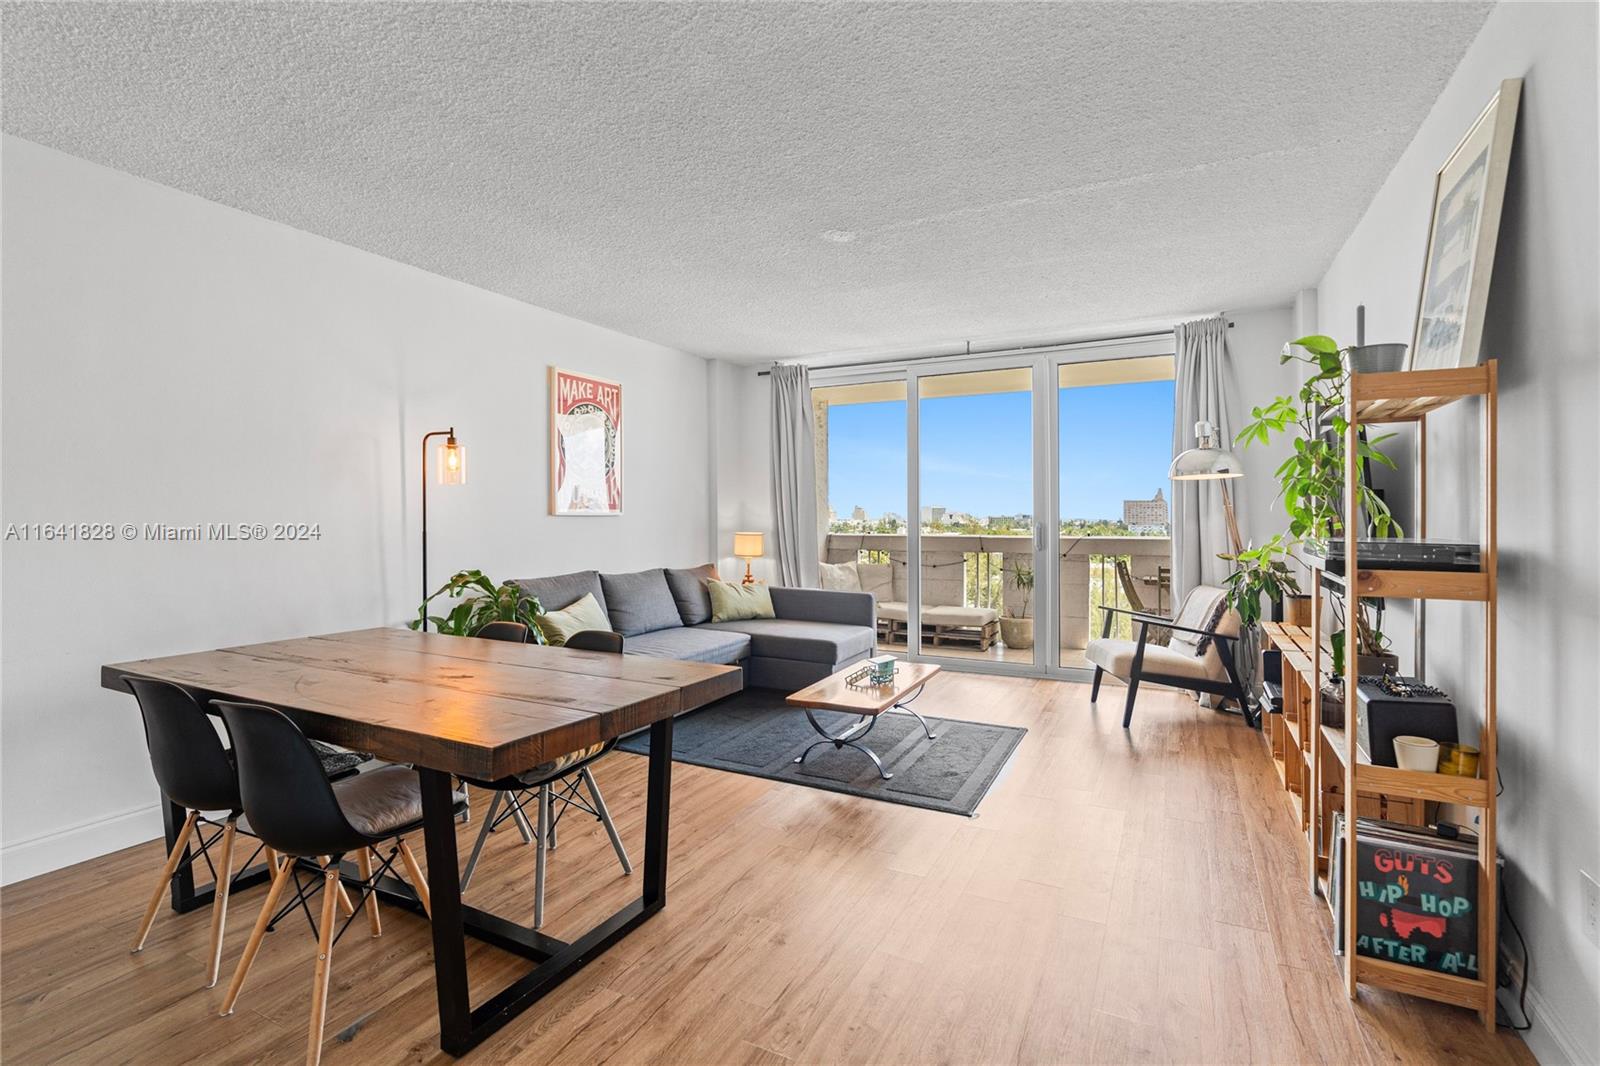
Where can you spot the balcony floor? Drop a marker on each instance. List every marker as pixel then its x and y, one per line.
pixel 997 653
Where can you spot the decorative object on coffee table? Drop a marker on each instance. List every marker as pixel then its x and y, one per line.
pixel 1467 197
pixel 844 692
pixel 585 444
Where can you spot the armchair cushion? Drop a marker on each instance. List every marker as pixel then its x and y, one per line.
pixel 1115 657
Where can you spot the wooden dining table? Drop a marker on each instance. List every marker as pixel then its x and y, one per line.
pixel 459 706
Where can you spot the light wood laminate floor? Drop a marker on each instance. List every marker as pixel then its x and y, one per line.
pixel 1121 897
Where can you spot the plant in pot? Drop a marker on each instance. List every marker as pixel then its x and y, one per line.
pixel 1016 628
pixel 1311 480
pixel 1257 572
pixel 481 602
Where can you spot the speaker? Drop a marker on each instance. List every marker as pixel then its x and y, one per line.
pixel 1393 706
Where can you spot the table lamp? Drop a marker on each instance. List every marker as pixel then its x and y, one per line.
pixel 1207 462
pixel 748 546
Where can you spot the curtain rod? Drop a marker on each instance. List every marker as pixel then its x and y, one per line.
pixel 996 351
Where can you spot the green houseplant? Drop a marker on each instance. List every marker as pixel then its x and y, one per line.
pixel 481 602
pixel 1016 628
pixel 1311 481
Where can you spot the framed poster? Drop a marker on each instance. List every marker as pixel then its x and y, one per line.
pixel 1467 196
pixel 585 444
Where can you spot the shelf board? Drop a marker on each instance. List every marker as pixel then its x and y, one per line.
pixel 1470 585
pixel 1393 781
pixel 1407 395
pixel 1448 988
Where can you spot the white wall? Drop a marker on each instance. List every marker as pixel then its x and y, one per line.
pixel 741 407
pixel 1542 324
pixel 1254 344
pixel 170 360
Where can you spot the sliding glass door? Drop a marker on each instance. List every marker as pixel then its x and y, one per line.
pixel 1114 444
pixel 977 500
pixel 996 505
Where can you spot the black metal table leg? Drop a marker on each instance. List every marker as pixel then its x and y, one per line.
pixel 444 890
pixel 462 1028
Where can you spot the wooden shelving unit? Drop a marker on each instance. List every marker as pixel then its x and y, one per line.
pixel 1322 765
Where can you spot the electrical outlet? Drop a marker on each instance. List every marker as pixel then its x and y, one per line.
pixel 1591 908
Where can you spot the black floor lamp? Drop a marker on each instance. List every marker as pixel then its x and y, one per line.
pixel 452 470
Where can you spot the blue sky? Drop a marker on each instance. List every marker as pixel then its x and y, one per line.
pixel 977 452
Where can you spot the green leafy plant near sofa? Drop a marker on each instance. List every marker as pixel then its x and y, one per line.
pixel 481 602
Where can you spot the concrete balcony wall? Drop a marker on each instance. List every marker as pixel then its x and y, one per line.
pixel 944 576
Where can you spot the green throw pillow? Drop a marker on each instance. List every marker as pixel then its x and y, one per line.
pixel 557 626
pixel 735 603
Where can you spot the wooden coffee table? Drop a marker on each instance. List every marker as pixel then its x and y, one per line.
pixel 834 693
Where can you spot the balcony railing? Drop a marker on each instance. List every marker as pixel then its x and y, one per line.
pixel 962 569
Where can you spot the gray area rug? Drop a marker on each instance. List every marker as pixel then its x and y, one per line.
pixel 756 733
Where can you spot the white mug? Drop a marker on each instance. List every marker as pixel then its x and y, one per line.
pixel 1417 753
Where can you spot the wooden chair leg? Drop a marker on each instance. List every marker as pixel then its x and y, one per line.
pixel 219 904
pixel 1094 690
pixel 173 859
pixel 279 880
pixel 364 864
pixel 1133 690
pixel 346 907
pixel 419 884
pixel 319 983
pixel 271 858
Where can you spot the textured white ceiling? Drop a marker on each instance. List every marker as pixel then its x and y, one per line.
pixel 768 180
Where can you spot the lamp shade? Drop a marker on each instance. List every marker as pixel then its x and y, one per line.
pixel 748 545
pixel 1206 462
pixel 451 462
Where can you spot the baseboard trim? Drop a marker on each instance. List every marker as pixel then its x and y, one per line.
pixel 78 843
pixel 1550 1040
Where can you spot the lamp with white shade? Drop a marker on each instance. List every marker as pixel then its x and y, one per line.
pixel 1208 462
pixel 748 546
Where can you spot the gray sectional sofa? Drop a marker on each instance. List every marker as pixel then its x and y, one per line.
pixel 667 614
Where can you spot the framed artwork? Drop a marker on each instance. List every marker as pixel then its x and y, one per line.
pixel 1467 197
pixel 585 444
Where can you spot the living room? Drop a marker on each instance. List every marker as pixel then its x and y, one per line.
pixel 949 412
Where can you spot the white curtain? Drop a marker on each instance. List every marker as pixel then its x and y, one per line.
pixel 794 477
pixel 1202 390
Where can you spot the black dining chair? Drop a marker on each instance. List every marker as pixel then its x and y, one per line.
pixel 195 772
pixel 297 811
pixel 512 632
pixel 561 781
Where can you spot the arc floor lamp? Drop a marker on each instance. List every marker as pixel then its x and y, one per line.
pixel 451 467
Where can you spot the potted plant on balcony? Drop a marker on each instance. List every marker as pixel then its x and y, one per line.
pixel 1311 480
pixel 1016 628
pixel 482 602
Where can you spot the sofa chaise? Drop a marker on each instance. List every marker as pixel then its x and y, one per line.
pixel 666 613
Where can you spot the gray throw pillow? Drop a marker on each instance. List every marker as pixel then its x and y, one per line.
pixel 689 591
pixel 562 591
pixel 640 602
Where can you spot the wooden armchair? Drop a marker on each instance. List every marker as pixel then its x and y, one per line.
pixel 1197 658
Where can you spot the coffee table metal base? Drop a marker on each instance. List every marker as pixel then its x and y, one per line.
pixel 850 736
